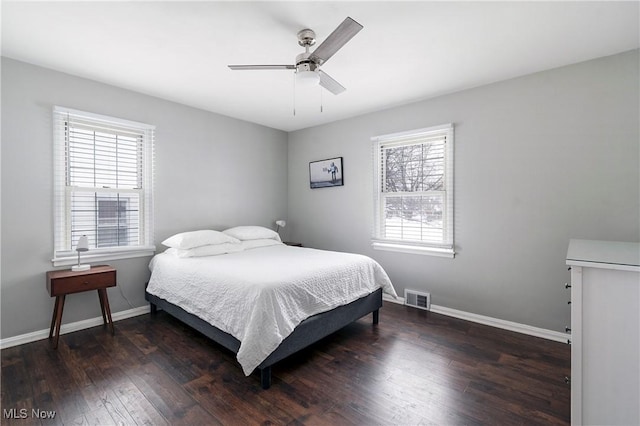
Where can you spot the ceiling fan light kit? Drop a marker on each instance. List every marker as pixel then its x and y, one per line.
pixel 307 78
pixel 307 67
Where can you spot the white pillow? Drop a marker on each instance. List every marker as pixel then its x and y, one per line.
pixel 189 240
pixel 251 244
pixel 210 250
pixel 252 233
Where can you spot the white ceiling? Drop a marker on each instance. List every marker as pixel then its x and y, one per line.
pixel 407 51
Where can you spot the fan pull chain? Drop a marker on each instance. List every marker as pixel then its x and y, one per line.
pixel 294 94
pixel 321 98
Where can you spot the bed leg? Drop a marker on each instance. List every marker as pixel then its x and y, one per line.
pixel 265 377
pixel 154 308
pixel 376 316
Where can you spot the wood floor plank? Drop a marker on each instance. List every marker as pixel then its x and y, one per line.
pixel 415 367
pixel 213 397
pixel 138 406
pixel 172 401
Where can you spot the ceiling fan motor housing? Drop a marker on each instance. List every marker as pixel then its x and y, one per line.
pixel 303 63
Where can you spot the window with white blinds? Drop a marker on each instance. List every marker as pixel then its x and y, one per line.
pixel 103 185
pixel 414 191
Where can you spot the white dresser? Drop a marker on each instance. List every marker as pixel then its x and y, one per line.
pixel 605 332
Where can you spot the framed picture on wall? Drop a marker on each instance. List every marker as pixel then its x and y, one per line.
pixel 326 173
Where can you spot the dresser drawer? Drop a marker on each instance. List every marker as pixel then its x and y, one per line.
pixel 78 283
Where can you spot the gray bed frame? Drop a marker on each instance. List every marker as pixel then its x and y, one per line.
pixel 306 333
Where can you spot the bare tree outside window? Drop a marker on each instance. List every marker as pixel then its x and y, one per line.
pixel 411 171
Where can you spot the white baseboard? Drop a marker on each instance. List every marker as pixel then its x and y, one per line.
pixel 70 328
pixel 556 336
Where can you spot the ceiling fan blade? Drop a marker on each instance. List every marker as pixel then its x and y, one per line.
pixel 330 84
pixel 338 38
pixel 262 67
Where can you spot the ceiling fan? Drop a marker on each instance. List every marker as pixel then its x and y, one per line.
pixel 308 64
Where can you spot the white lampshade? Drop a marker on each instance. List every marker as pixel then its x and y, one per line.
pixel 280 224
pixel 83 244
pixel 307 78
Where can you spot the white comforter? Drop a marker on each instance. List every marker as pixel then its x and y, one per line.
pixel 260 295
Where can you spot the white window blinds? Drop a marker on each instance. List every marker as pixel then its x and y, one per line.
pixel 103 182
pixel 414 188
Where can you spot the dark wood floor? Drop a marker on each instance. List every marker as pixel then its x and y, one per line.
pixel 415 367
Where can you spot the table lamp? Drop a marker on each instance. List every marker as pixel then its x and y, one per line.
pixel 83 245
pixel 280 224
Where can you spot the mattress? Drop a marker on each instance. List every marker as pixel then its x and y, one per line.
pixel 260 295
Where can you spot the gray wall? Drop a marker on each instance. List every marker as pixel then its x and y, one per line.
pixel 211 172
pixel 538 160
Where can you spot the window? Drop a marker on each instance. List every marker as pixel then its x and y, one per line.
pixel 414 191
pixel 102 186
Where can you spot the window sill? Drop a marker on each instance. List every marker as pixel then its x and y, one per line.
pixel 89 257
pixel 412 249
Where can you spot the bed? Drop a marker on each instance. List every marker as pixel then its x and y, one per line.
pixel 265 300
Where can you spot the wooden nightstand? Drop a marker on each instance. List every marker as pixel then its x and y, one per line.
pixel 289 243
pixel 61 283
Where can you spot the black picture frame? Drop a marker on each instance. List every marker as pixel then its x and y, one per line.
pixel 326 173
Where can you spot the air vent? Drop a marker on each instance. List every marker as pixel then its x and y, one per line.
pixel 417 299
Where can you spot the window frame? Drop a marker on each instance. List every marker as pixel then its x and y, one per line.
pixel 378 241
pixel 64 253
